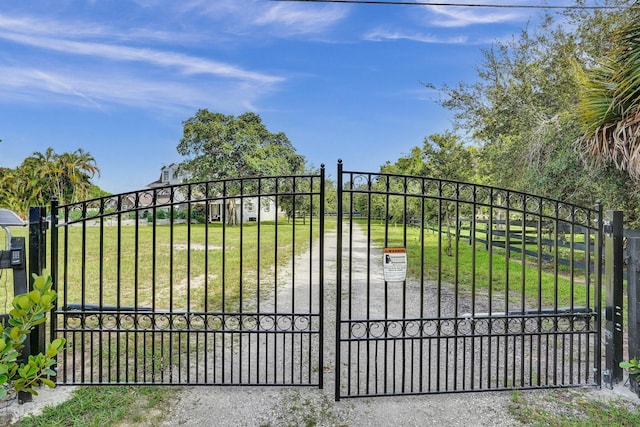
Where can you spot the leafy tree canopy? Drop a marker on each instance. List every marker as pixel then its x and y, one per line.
pixel 522 111
pixel 441 156
pixel 220 146
pixel 42 176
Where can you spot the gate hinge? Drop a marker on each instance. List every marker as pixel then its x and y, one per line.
pixel 607 227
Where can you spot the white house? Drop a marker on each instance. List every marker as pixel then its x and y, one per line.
pixel 250 207
pixel 169 175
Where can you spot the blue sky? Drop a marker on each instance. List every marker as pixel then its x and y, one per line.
pixel 118 78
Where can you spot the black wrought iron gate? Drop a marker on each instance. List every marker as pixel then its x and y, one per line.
pixel 441 286
pixel 502 289
pixel 193 284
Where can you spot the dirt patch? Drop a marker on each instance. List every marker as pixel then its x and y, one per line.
pixel 194 247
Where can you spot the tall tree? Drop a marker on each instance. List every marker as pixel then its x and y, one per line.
pixel 221 146
pixel 522 110
pixel 218 146
pixel 44 175
pixel 78 168
pixel 442 155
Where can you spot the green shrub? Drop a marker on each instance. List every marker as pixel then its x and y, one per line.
pixel 29 310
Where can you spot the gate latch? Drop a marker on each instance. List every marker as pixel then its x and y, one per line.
pixel 606 378
pixel 607 227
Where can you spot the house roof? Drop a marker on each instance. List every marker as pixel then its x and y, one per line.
pixel 159 182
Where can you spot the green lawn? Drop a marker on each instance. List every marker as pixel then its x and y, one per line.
pixel 476 269
pixel 182 267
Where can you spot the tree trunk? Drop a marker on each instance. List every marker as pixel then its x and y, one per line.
pixel 232 210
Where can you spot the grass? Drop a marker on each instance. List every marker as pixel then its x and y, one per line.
pixel 222 267
pixel 572 408
pixel 107 406
pixel 475 269
pixel 192 267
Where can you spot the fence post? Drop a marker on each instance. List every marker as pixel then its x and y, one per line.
pixel 633 301
pixel 614 273
pixel 37 263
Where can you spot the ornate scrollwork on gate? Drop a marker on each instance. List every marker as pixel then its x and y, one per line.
pixel 189 322
pixel 471 326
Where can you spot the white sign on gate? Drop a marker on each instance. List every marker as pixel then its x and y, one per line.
pixel 394 262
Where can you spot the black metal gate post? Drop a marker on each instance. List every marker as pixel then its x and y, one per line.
pixel 633 289
pixel 614 269
pixel 53 266
pixel 37 263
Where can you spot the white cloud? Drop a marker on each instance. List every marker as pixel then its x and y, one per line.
pixel 99 79
pixel 382 35
pixel 465 16
pixel 81 88
pixel 79 29
pixel 295 19
pixel 185 63
pixel 279 20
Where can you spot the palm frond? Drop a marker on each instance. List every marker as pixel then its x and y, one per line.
pixel 609 107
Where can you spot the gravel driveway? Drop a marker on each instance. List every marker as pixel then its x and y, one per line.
pixel 294 406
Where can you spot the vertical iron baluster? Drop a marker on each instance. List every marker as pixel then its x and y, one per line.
pixel 523 285
pixel 338 292
pixel 456 282
pixel 258 284
pixel 556 287
pixel 136 300
pixel 101 243
pixel 118 291
pixel 598 295
pixel 225 200
pixel 153 292
pixel 489 239
pixel 189 314
pixel 405 215
pixel 422 285
pixel 293 269
pixel 472 242
pixel 386 284
pixel 439 283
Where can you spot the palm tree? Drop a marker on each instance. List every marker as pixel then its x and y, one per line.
pixel 66 176
pixel 15 193
pixel 609 109
pixel 79 167
pixel 43 175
